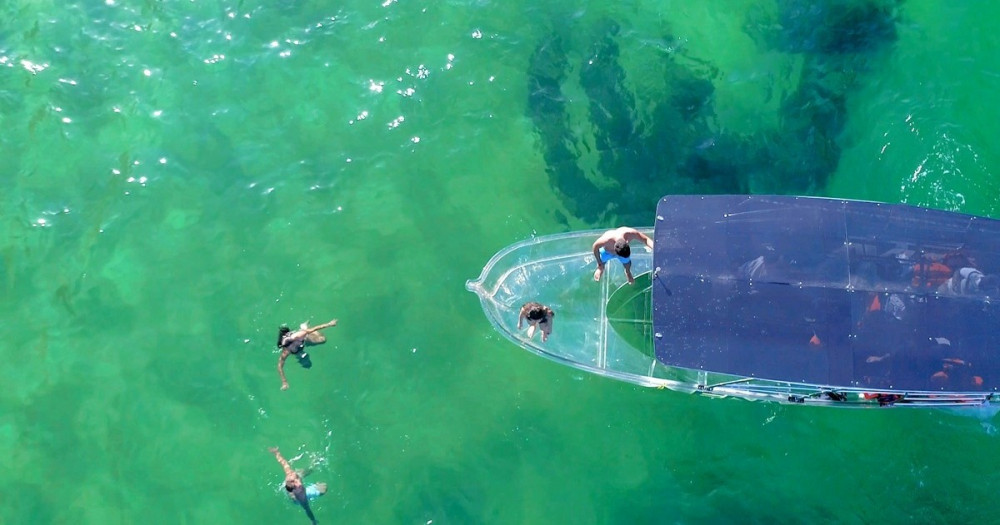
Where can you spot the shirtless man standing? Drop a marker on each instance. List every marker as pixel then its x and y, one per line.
pixel 614 245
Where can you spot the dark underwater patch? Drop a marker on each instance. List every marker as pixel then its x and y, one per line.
pixel 674 142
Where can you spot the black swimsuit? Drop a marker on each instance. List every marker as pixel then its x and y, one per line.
pixel 294 347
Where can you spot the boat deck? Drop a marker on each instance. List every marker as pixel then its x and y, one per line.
pixel 826 292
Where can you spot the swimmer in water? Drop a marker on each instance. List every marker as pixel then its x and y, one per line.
pixel 294 487
pixel 293 342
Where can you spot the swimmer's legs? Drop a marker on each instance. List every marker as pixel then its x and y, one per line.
pixel 315 490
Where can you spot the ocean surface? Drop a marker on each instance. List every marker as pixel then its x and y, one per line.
pixel 179 178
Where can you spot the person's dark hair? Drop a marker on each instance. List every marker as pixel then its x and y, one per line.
pixel 282 331
pixel 536 312
pixel 622 249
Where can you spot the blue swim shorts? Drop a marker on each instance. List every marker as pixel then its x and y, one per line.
pixel 605 257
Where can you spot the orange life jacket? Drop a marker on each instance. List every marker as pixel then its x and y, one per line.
pixel 930 275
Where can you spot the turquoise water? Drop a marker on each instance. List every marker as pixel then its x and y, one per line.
pixel 180 178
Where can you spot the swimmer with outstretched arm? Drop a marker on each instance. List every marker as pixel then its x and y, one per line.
pixel 294 487
pixel 293 342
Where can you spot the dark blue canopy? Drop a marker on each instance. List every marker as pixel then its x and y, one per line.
pixel 831 292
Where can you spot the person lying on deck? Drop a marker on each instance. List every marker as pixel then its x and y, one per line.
pixel 969 281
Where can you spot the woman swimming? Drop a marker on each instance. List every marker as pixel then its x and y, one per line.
pixel 293 342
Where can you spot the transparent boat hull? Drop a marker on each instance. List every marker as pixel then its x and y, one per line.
pixel 606 327
pixel 558 271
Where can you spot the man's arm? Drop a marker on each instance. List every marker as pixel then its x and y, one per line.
pixel 597 253
pixel 521 316
pixel 605 238
pixel 281 368
pixel 301 334
pixel 597 258
pixel 281 459
pixel 636 234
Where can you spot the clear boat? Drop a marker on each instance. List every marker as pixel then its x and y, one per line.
pixel 791 299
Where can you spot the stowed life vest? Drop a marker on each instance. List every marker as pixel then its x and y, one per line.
pixel 930 275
